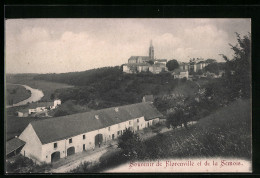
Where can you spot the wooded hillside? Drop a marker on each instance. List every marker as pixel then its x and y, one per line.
pixel 108 87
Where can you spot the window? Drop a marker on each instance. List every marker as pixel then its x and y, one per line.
pixel 55 145
pixel 118 132
pixel 108 128
pixel 129 122
pixel 84 137
pixel 46 156
pixel 70 140
pixel 137 120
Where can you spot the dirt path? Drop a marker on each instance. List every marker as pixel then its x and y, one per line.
pixel 71 162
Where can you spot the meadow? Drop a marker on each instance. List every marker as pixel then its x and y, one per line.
pixel 16 93
pixel 225 133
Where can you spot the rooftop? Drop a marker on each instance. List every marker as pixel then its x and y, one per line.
pixel 147 58
pixel 13 144
pixel 178 71
pixel 54 129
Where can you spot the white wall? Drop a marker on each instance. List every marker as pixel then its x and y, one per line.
pixel 43 152
pixel 56 103
pixel 33 146
pixel 126 69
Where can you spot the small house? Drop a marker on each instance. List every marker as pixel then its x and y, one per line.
pixel 180 73
pixel 148 98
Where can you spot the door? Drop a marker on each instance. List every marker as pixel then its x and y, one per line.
pixel 98 139
pixel 113 136
pixel 55 156
pixel 70 151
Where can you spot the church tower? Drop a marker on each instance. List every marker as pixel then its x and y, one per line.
pixel 151 51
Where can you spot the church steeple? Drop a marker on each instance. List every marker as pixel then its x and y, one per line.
pixel 151 51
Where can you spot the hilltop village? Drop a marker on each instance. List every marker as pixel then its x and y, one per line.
pixel 139 64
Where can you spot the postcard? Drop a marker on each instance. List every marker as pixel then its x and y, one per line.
pixel 128 95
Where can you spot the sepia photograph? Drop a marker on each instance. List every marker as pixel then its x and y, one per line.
pixel 128 95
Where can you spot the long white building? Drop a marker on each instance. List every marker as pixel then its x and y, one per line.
pixel 51 139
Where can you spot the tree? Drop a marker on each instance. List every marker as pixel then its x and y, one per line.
pixel 210 61
pixel 175 119
pixel 172 64
pixel 131 145
pixel 200 72
pixel 52 97
pixel 212 68
pixel 237 74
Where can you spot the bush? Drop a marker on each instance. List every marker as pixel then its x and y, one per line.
pixel 60 113
pixel 22 164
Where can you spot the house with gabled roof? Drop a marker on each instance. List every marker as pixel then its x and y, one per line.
pixel 48 140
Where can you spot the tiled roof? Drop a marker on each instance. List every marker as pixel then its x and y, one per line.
pixel 54 129
pixel 161 60
pixel 144 58
pixel 40 104
pixel 13 144
pixel 26 110
pixel 138 64
pixel 159 65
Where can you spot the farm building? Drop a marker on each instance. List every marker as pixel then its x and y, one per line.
pixel 148 98
pixel 23 113
pixel 38 107
pixel 51 139
pixel 179 73
pixel 14 146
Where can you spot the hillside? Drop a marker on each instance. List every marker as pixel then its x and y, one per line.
pixel 225 133
pixel 109 86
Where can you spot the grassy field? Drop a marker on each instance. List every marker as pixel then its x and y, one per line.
pixel 225 133
pixel 16 93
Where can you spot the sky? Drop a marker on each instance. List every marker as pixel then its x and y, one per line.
pixel 68 45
